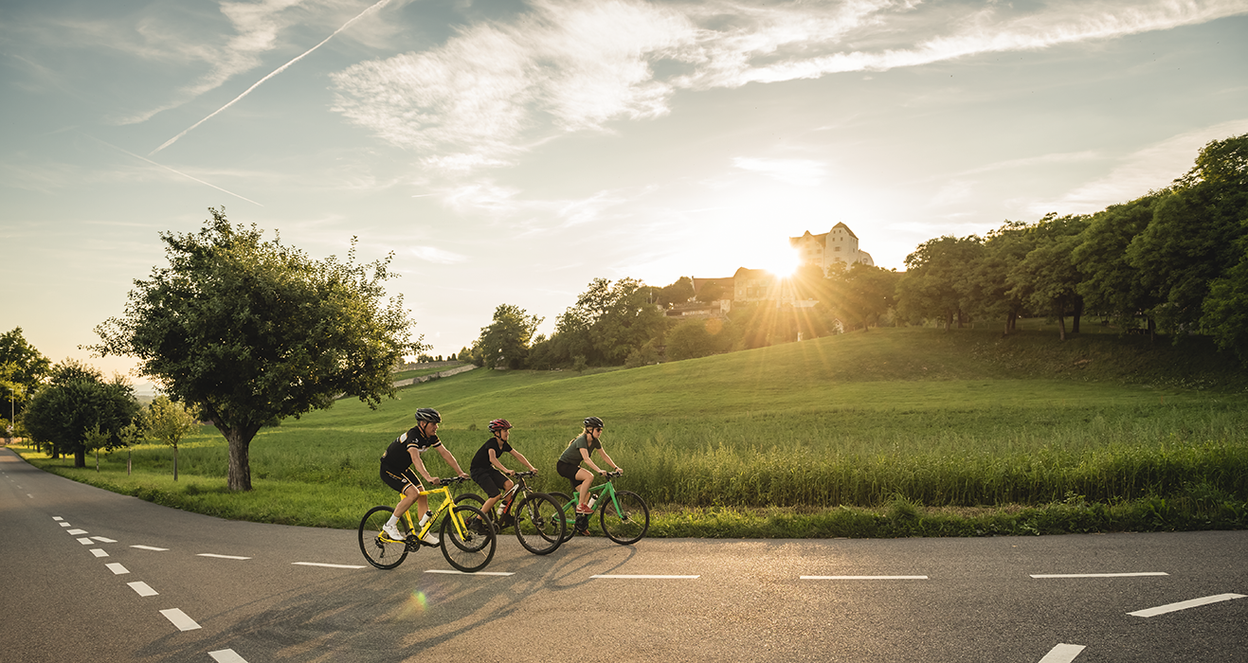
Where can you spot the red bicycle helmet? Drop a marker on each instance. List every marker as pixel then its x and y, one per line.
pixel 499 424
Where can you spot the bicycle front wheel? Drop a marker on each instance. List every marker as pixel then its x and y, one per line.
pixel 625 520
pixel 539 524
pixel 379 550
pixel 470 551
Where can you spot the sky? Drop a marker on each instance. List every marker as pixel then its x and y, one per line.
pixel 511 152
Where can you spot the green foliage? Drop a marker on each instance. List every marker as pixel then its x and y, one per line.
pixel 168 422
pixel 75 399
pixel 608 323
pixel 22 367
pixel 505 342
pixel 249 330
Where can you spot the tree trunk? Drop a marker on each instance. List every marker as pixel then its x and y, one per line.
pixel 239 439
pixel 1061 325
pixel 80 456
pixel 175 462
pixel 1074 325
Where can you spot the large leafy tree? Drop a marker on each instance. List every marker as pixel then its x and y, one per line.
pixel 608 322
pixel 505 342
pixel 1111 286
pixel 248 330
pixel 75 400
pixel 22 368
pixel 938 280
pixel 1047 277
pixel 1193 238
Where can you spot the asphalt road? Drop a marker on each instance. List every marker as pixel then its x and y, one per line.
pixel 90 575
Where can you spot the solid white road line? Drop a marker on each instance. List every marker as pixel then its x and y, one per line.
pixel 865 578
pixel 1099 575
pixel 476 573
pixel 330 566
pixel 150 548
pixel 226 656
pixel 98 552
pixel 180 619
pixel 117 569
pixel 215 556
pixel 142 588
pixel 643 577
pixel 1184 605
pixel 1062 654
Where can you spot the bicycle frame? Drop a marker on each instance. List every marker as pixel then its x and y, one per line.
pixel 601 491
pixel 447 504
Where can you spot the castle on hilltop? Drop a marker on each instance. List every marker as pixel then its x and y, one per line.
pixel 840 245
pixel 837 246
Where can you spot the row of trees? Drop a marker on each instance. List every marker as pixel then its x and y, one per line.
pixel 1174 261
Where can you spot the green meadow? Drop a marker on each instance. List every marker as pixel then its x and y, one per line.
pixel 892 432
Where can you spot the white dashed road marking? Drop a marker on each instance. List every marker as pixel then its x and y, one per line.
pixel 180 619
pixel 117 569
pixel 103 539
pixel 330 566
pixel 865 578
pixel 461 573
pixel 99 552
pixel 142 588
pixel 75 532
pixel 1062 654
pixel 1099 575
pixel 226 656
pixel 216 556
pixel 643 577
pixel 85 541
pixel 1184 605
pixel 150 548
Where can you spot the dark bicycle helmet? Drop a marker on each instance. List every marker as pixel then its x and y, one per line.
pixel 499 424
pixel 428 414
pixel 593 422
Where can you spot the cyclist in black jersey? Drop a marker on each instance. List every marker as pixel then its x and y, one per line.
pixel 399 461
pixel 487 468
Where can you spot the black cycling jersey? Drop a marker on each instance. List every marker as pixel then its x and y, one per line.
pixel 482 459
pixel 398 457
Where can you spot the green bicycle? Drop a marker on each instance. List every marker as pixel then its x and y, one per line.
pixel 466 549
pixel 623 515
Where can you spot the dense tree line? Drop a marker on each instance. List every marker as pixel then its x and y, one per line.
pixel 1172 262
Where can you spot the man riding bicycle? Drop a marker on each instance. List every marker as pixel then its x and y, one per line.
pixel 398 462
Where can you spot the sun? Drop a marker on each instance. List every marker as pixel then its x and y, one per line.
pixel 782 263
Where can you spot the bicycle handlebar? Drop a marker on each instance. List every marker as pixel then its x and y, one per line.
pixel 530 473
pixel 612 475
pixel 450 480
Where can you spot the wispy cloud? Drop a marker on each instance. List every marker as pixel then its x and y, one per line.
pixel 436 255
pixel 378 5
pixel 484 96
pixel 802 172
pixel 1152 168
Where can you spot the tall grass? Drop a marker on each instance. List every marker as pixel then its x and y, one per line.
pixel 909 417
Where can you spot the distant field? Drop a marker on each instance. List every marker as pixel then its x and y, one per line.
pixel 961 419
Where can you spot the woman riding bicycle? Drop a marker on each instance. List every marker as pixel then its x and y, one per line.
pixel 579 451
pixel 488 470
pixel 401 457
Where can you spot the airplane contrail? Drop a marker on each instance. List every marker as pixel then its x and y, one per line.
pixel 176 172
pixel 277 71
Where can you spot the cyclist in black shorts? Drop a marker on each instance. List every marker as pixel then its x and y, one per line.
pixel 487 468
pixel 398 462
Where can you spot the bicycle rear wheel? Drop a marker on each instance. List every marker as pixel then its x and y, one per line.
pixel 539 524
pixel 471 551
pixel 627 523
pixel 380 551
pixel 565 501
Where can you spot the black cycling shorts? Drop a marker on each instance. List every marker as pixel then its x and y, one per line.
pixel 402 480
pixel 568 471
pixel 490 479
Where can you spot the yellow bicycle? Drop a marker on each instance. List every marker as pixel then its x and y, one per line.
pixel 466 550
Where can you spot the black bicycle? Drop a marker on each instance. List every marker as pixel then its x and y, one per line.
pixel 537 517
